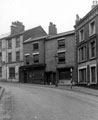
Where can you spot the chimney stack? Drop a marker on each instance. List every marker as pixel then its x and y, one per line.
pixel 52 29
pixel 17 27
pixel 77 19
pixel 94 4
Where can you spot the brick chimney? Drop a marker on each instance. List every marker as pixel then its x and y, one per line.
pixel 17 27
pixel 52 29
pixel 94 4
pixel 77 19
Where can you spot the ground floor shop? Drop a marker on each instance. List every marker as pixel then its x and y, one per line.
pixel 32 74
pixel 61 75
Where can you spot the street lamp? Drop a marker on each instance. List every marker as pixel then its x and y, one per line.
pixel 56 82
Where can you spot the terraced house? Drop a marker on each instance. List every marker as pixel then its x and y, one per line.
pixel 87 47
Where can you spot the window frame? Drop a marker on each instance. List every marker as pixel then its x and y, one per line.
pixel 17 57
pixel 9 43
pixel 81 68
pixel 17 42
pixel 80 38
pixel 94 65
pixel 60 52
pixel 9 58
pixel 90 28
pixel 37 54
pixel 27 61
pixel 12 75
pixel 35 44
pixel 90 50
pixel 59 40
pixel 80 53
pixel 0 71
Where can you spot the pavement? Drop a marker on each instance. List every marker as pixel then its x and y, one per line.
pixel 84 90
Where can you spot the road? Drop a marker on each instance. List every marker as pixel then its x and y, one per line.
pixel 31 102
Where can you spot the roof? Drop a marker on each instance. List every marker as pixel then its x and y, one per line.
pixel 4 35
pixel 87 15
pixel 34 33
pixel 35 39
pixel 62 34
pixel 31 33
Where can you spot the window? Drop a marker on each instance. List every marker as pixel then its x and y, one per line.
pixel 61 57
pixel 0 44
pixel 82 75
pixel 35 46
pixel 17 42
pixel 0 71
pixel 9 44
pixel 0 56
pixel 92 28
pixel 18 56
pixel 61 43
pixel 92 49
pixel 36 58
pixel 27 59
pixel 82 53
pixel 81 35
pixel 93 74
pixel 9 57
pixel 12 72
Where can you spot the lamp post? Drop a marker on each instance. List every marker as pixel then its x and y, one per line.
pixel 56 82
pixel 71 77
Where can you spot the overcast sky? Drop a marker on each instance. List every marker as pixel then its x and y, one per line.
pixel 40 12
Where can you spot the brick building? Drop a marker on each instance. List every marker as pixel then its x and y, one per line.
pixel 59 57
pixel 33 70
pixel 86 30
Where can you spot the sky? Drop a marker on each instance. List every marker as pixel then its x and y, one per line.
pixel 33 13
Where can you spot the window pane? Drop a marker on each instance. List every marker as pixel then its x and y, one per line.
pixel 61 57
pixel 36 58
pixel 12 72
pixel 35 46
pixel 27 59
pixel 18 42
pixel 0 71
pixel 17 56
pixel 9 43
pixel 61 43
pixel 9 57
pixel 93 74
pixel 82 75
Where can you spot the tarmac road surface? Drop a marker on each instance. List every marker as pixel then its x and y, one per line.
pixel 29 102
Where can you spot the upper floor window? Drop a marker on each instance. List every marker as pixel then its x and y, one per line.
pixel 0 71
pixel 9 57
pixel 27 59
pixel 36 58
pixel 82 53
pixel 17 42
pixel 35 46
pixel 0 56
pixel 18 56
pixel 81 35
pixel 61 57
pixel 61 43
pixel 10 43
pixel 92 49
pixel 92 28
pixel 0 44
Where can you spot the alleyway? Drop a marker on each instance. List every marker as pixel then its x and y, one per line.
pixel 29 102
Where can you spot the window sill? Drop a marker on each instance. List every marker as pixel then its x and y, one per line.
pixel 61 62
